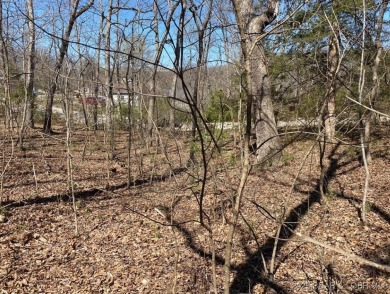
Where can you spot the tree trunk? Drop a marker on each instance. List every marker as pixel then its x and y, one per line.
pixel 97 78
pixel 375 81
pixel 258 96
pixel 172 103
pixel 267 140
pixel 6 75
pixel 176 64
pixel 152 99
pixel 47 125
pixel 201 27
pixel 159 46
pixel 251 27
pixel 329 113
pixel 109 87
pixel 28 115
pixel 30 65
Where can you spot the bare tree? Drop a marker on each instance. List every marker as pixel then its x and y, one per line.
pixel 178 47
pixel 97 70
pixel 6 72
pixel 83 65
pixel 109 84
pixel 28 111
pixel 159 46
pixel 30 63
pixel 201 28
pixel 65 39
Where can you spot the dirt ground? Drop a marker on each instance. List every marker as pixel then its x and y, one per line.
pixel 147 238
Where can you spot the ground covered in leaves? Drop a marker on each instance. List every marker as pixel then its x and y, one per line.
pixel 146 238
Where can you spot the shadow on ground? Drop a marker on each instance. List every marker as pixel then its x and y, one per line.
pixel 249 274
pixel 86 194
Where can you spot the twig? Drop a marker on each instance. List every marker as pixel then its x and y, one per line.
pixel 368 108
pixel 35 178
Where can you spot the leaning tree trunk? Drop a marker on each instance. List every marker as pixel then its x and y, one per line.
pixel 159 46
pixel 153 82
pixel 176 64
pixel 60 60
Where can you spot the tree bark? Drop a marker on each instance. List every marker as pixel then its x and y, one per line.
pixel 329 114
pixel 251 27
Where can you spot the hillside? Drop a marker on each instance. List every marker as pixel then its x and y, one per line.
pixel 147 239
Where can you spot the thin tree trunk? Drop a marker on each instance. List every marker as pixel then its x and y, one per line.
pixel 176 64
pixel 69 157
pixel 328 110
pixel 6 75
pixel 375 80
pixel 202 56
pixel 245 169
pixel 97 78
pixel 109 86
pixel 329 115
pixel 81 80
pixel 172 103
pixel 30 64
pixel 130 102
pixel 362 143
pixel 130 75
pixel 152 100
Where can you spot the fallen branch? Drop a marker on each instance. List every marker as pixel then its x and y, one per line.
pixel 354 257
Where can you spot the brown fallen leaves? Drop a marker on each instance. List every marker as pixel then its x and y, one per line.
pixel 119 251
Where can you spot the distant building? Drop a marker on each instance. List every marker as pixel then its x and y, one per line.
pixel 123 98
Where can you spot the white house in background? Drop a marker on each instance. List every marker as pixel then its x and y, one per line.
pixel 123 98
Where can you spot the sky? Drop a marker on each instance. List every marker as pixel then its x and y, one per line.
pixel 51 16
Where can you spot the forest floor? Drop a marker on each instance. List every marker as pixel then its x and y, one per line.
pixel 147 238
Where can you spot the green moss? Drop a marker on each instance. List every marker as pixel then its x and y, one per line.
pixel 287 158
